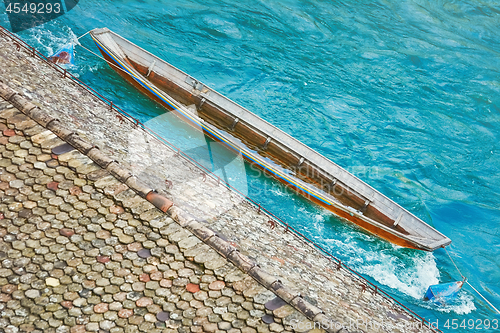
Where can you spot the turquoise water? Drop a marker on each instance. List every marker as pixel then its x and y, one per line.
pixel 404 94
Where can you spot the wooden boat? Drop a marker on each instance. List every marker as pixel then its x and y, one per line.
pixel 290 161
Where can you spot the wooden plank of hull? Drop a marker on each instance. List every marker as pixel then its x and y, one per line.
pixel 371 228
pixel 130 80
pixel 216 117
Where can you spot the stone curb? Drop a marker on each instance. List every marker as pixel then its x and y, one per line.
pixel 185 220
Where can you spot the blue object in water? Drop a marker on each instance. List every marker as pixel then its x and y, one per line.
pixel 64 56
pixel 444 291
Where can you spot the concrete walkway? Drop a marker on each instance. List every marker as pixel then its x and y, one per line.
pixel 80 251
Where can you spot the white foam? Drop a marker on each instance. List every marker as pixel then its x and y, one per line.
pixel 388 266
pixel 48 42
pixel 463 304
pixel 410 276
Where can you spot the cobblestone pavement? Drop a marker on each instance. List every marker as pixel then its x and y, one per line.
pixel 299 266
pixel 79 251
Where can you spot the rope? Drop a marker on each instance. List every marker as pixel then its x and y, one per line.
pixel 98 55
pixel 483 297
pixel 465 279
pixel 83 35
